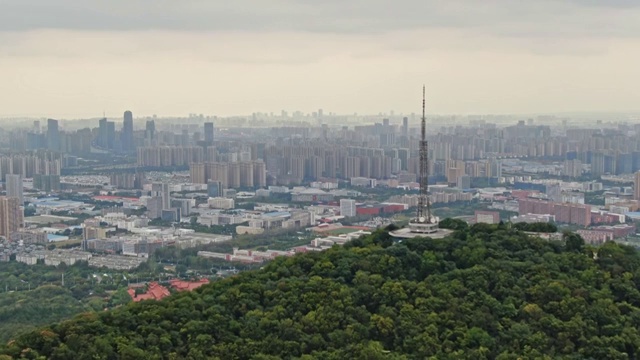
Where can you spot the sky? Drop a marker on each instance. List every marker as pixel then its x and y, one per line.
pixel 74 58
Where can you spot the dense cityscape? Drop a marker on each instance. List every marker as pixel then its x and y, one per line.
pixel 204 199
pixel 319 180
pixel 221 194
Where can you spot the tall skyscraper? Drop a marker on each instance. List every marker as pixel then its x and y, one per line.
pixel 154 207
pixel 106 134
pixel 46 183
pixel 163 192
pixel 150 131
pixel 53 135
pixel 140 180
pixel 208 132
pixel 214 188
pixel 101 141
pixel 198 173
pixel 636 186
pixel 14 187
pixel 127 132
pixel 11 216
pixel 405 126
pixel 111 135
pixel 166 196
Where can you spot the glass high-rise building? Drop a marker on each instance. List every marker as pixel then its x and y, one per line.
pixel 208 132
pixel 14 187
pixel 127 132
pixel 53 135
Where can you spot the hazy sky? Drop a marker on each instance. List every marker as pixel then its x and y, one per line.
pixel 75 58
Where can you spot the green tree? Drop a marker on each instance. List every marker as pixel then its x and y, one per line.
pixel 573 241
pixel 484 292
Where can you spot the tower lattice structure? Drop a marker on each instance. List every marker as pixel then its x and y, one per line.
pixel 424 204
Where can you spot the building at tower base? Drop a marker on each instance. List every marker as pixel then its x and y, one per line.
pixel 408 233
pixel 422 226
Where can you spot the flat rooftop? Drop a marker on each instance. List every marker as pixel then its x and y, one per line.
pixel 405 233
pixel 47 219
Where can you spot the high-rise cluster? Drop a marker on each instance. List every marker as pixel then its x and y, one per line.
pixel 30 164
pixel 230 174
pixel 158 156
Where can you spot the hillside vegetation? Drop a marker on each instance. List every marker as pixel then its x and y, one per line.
pixel 486 292
pixel 21 311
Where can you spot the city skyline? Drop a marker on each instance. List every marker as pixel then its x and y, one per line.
pixel 188 57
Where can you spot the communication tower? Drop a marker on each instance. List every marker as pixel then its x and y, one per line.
pixel 424 222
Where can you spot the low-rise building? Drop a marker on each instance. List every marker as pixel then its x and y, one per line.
pixel 181 285
pixel 221 219
pixel 29 237
pixel 533 218
pixel 361 181
pixel 221 203
pixel 68 257
pixel 311 195
pixel 594 236
pixel 194 239
pixel 249 230
pixel 27 258
pixel 116 262
pixel 155 291
pixel 247 256
pixel 487 217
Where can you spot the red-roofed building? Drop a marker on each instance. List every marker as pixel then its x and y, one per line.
pixel 155 291
pixel 180 285
pixel 369 210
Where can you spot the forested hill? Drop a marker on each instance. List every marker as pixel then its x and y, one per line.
pixel 486 292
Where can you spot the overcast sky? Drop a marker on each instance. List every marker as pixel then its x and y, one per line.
pixel 78 58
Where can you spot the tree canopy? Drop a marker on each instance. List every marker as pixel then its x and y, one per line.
pixel 484 292
pixel 25 310
pixel 536 227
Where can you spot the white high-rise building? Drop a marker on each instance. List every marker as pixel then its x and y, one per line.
pixel 636 186
pixel 163 191
pixel 348 207
pixel 11 216
pixel 166 196
pixel 14 187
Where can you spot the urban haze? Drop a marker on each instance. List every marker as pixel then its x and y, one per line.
pixel 319 180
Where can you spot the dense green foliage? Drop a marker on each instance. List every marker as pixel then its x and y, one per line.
pixel 453 224
pixel 541 227
pixel 486 292
pixel 21 311
pixel 34 295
